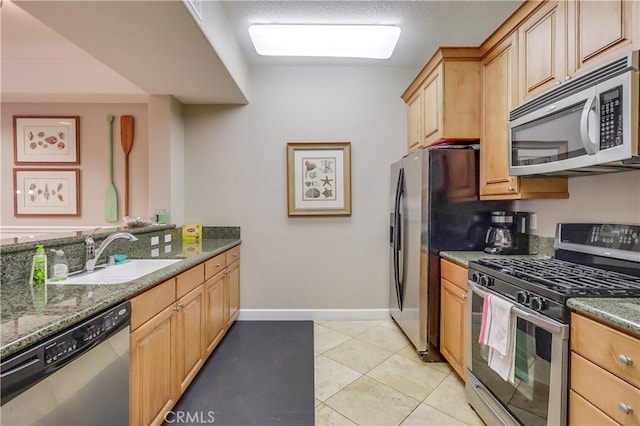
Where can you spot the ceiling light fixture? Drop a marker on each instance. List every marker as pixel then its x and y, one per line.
pixel 344 41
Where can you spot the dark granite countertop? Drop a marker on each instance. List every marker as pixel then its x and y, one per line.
pixel 22 324
pixel 622 313
pixel 464 257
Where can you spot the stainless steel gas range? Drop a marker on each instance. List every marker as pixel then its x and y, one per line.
pixel 591 260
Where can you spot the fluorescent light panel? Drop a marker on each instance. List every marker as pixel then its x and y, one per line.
pixel 344 41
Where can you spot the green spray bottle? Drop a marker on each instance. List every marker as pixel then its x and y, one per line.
pixel 38 278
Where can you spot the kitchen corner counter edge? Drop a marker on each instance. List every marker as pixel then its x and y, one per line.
pixel 621 313
pixel 92 299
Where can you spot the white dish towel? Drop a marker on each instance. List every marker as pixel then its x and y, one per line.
pixel 498 333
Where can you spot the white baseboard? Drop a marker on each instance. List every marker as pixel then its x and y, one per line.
pixel 313 314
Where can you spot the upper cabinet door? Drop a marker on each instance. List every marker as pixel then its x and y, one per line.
pixel 542 47
pixel 600 31
pixel 499 95
pixel 432 101
pixel 414 118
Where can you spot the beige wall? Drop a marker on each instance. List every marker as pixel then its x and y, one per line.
pixel 94 160
pixel 235 169
pixel 610 198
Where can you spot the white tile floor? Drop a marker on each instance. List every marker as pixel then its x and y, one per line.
pixel 368 373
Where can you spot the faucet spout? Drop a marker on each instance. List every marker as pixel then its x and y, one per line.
pixel 92 258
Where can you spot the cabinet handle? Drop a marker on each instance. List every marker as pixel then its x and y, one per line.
pixel 626 360
pixel 568 77
pixel 464 297
pixel 558 83
pixel 217 265
pixel 178 308
pixel 626 409
pixel 234 255
pixel 511 188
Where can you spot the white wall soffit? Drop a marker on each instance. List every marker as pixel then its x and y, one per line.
pixel 156 45
pixel 214 23
pixel 39 65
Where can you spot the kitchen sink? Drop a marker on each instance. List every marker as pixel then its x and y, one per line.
pixel 118 274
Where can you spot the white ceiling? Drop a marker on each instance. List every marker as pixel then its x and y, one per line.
pixel 425 25
pixel 62 68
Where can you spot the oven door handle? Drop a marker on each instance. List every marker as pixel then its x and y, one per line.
pixel 539 320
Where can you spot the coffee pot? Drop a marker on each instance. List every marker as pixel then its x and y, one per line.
pixel 508 233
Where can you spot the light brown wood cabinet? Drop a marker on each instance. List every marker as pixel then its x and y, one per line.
pixel 432 102
pixel 443 101
pixel 563 39
pixel 499 96
pixel 599 31
pixel 153 387
pixel 542 59
pixel 605 375
pixel 414 122
pixel 175 326
pixel 190 336
pixel 453 314
pixel 233 292
pixel 215 311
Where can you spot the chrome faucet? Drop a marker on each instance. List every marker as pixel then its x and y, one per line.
pixel 93 254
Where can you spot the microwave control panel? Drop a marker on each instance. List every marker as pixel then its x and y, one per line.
pixel 611 118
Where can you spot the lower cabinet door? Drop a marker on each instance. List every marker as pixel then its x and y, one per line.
pixel 214 317
pixel 189 336
pixel 452 325
pixel 152 385
pixel 233 292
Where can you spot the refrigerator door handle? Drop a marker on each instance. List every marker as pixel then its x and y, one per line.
pixel 397 239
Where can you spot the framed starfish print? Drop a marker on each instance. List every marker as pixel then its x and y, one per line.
pixel 319 178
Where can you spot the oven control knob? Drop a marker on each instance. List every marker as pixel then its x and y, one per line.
pixel 486 281
pixel 522 297
pixel 475 276
pixel 538 303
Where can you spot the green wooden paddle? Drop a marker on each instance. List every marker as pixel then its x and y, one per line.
pixel 111 200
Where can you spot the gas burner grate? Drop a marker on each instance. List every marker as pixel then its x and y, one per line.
pixel 565 277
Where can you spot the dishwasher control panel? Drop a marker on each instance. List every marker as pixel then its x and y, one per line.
pixel 85 334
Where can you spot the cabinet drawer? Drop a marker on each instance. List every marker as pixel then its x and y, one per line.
pixel 146 305
pixel 605 391
pixel 233 254
pixel 454 273
pixel 581 413
pixel 606 347
pixel 214 265
pixel 189 280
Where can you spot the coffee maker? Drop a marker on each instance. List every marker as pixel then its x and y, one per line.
pixel 508 233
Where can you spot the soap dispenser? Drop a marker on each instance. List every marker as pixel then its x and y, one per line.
pixel 38 279
pixel 39 267
pixel 59 266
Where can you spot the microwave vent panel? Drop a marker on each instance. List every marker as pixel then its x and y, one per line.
pixel 570 87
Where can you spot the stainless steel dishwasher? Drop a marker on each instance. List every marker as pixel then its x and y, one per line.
pixel 80 376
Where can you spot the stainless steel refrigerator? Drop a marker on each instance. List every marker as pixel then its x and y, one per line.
pixel 434 206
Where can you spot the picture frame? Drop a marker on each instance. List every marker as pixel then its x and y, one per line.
pixel 46 139
pixel 46 192
pixel 319 178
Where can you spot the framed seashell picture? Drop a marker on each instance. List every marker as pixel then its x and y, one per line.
pixel 46 192
pixel 319 178
pixel 46 139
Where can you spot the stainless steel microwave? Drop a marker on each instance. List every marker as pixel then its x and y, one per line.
pixel 586 125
